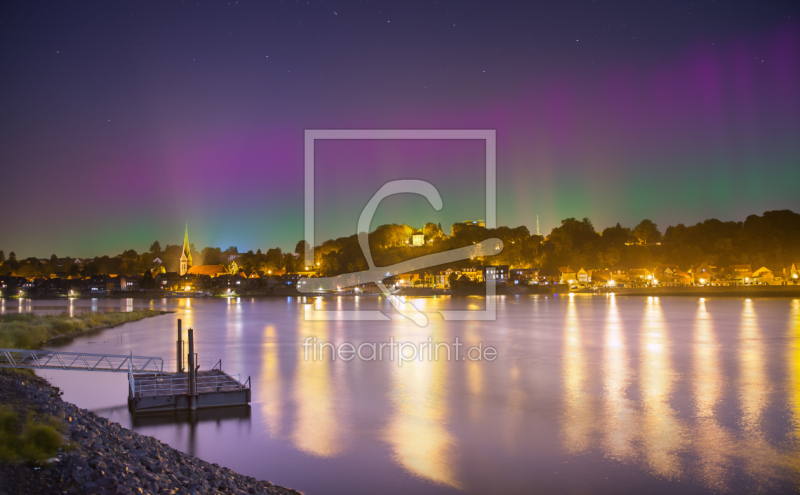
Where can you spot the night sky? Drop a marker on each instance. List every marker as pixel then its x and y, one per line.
pixel 122 121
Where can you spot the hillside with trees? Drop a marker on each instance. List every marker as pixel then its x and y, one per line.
pixel 771 240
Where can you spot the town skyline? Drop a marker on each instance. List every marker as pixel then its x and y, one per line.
pixel 770 239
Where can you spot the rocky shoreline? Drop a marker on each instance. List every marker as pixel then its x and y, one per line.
pixel 101 457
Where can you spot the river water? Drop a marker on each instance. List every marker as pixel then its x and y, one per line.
pixel 586 394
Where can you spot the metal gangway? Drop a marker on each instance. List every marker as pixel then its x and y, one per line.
pixel 79 361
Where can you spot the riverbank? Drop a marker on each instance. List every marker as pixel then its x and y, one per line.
pixel 99 456
pixel 709 291
pixel 28 331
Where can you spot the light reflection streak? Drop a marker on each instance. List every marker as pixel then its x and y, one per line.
pixel 760 458
pixel 417 431
pixel 316 430
pixel 270 388
pixel 577 418
pixel 620 418
pixel 662 434
pixel 793 382
pixel 712 441
pixel 752 379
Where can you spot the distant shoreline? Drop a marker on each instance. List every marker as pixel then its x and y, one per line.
pixel 708 291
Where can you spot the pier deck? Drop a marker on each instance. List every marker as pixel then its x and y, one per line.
pixel 170 391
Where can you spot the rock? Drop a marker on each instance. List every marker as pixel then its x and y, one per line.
pixel 91 488
pixel 106 458
pixel 80 476
pixel 107 483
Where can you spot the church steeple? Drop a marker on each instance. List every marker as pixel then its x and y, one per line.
pixel 186 254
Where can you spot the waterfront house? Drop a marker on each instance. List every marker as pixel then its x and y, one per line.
pixel 230 281
pixel 99 284
pixel 601 277
pixel 568 275
pixel 473 274
pixel 549 275
pixel 763 275
pixel 501 272
pixel 441 280
pixel 129 282
pixel 740 274
pixel 640 275
pixel 167 280
pixel 523 276
pixel 793 273
pixel 702 274
pixel 665 273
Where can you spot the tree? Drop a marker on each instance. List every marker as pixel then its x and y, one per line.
pixel 155 248
pixel 2 256
pixel 300 248
pixel 647 232
pixel 289 262
pixel 233 269
pixel 573 234
pixel 617 236
pixel 274 259
pixel 209 256
pixel 432 231
pixel 12 256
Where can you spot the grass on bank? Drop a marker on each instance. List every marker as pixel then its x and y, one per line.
pixel 34 442
pixel 28 331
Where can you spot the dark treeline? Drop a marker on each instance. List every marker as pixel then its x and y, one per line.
pixel 771 240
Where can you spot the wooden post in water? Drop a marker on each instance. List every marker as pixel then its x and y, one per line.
pixel 192 373
pixel 178 350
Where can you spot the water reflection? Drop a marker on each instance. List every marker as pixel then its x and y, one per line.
pixel 662 434
pixel 752 377
pixel 712 441
pixel 316 429
pixel 578 420
pixel 269 383
pixel 417 431
pixel 619 415
pixel 762 458
pixel 689 395
pixel 793 381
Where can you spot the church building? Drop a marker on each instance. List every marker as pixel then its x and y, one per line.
pixel 186 267
pixel 186 254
